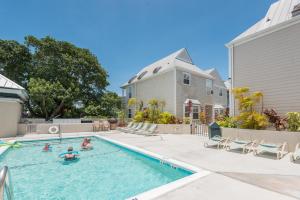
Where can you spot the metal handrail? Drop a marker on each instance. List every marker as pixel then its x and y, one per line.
pixel 5 184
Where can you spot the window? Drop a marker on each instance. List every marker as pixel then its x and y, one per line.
pixel 195 112
pixel 209 87
pixel 141 75
pixel 186 111
pixel 186 78
pixel 220 92
pixel 130 80
pixel 129 92
pixel 156 69
pixel 129 113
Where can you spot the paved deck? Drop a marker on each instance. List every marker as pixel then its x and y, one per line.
pixel 235 176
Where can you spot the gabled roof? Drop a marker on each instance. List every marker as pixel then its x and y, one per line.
pixel 7 83
pixel 180 59
pixel 10 89
pixel 279 12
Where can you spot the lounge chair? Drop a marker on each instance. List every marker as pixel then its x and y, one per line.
pixel 136 128
pixel 125 129
pixel 278 149
pixel 128 126
pixel 216 141
pixel 150 132
pixel 245 145
pixel 296 155
pixel 144 128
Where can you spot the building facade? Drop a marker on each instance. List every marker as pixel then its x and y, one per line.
pixel 266 58
pixel 12 97
pixel 179 83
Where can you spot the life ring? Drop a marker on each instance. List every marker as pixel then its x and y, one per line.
pixel 53 130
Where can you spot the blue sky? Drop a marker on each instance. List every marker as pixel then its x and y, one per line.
pixel 127 35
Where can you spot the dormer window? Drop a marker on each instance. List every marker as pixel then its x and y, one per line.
pixel 141 75
pixel 186 78
pixel 130 80
pixel 156 69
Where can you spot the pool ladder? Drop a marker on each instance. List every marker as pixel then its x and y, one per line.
pixel 6 189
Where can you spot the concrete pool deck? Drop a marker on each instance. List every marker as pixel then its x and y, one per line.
pixel 235 175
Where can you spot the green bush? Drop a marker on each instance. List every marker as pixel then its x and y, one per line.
pixel 186 120
pixel 166 118
pixel 293 120
pixel 138 117
pixel 228 122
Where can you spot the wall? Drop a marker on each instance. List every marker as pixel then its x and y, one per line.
pixel 197 90
pixel 174 129
pixel 65 128
pixel 271 64
pixel 10 112
pixel 160 87
pixel 292 138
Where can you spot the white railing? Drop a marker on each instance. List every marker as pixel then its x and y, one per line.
pixel 5 185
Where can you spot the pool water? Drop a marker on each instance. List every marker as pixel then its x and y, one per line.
pixel 107 172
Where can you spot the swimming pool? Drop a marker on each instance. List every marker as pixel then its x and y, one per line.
pixel 109 171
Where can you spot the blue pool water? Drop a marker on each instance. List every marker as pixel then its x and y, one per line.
pixel 107 172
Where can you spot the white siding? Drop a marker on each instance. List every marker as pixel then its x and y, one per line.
pixel 271 64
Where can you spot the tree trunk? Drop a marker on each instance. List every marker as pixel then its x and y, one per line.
pixel 57 110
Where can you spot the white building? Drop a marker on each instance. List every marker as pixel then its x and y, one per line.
pixel 266 58
pixel 12 97
pixel 176 80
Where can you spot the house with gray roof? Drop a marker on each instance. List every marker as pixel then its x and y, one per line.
pixel 176 80
pixel 12 98
pixel 266 58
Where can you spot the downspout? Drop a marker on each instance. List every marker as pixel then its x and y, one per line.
pixel 175 91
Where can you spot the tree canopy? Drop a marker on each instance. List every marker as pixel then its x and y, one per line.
pixel 58 77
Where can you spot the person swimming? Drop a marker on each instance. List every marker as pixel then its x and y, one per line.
pixel 86 144
pixel 70 154
pixel 47 147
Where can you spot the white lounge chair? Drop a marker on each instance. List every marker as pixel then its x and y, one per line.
pixel 127 127
pixel 134 125
pixel 150 132
pixel 144 128
pixel 133 129
pixel 296 154
pixel 278 149
pixel 217 141
pixel 245 145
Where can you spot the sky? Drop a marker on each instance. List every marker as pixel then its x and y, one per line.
pixel 127 35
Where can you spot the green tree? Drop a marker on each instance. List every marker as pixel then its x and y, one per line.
pixel 15 59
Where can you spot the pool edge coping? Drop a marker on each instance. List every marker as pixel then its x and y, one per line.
pixel 164 189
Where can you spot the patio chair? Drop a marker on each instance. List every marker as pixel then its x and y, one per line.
pixel 144 128
pixel 217 141
pixel 296 154
pixel 125 129
pixel 138 127
pixel 150 132
pixel 106 126
pixel 245 145
pixel 129 125
pixel 278 149
pixel 96 126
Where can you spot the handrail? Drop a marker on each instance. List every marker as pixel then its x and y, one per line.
pixel 5 184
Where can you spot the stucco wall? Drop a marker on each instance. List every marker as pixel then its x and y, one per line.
pixel 271 64
pixel 10 112
pixel 292 138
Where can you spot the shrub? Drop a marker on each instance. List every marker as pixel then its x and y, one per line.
pixel 138 117
pixel 247 102
pixel 186 120
pixel 293 120
pixel 166 118
pixel 228 122
pixel 278 122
